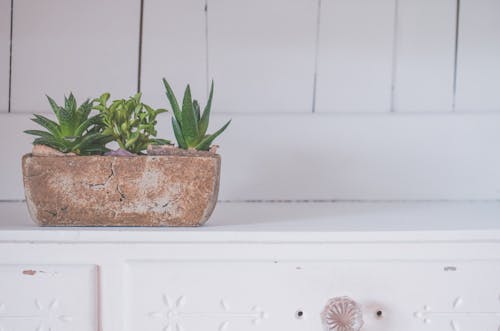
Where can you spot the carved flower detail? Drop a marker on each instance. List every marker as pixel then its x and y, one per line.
pixel 47 315
pixel 171 314
pixel 342 314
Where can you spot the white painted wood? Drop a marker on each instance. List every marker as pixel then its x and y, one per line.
pixel 478 74
pixel 367 157
pixel 210 295
pixel 112 296
pixel 355 56
pixel 174 47
pixel 48 297
pixel 338 222
pixel 20 143
pixel 261 54
pixel 425 55
pixel 87 47
pixel 447 275
pixel 360 157
pixel 4 54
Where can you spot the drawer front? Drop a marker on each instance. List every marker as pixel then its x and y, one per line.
pixel 270 296
pixel 48 297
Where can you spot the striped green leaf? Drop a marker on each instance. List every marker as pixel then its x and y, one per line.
pixel 43 134
pixel 50 125
pixel 203 126
pixel 189 122
pixel 173 101
pixel 204 145
pixel 178 134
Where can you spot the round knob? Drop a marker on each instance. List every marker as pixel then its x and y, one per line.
pixel 342 314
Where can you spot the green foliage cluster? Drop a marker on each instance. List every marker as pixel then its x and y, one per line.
pixel 189 124
pixel 131 123
pixel 75 131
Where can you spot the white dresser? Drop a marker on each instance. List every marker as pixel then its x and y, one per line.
pixel 258 267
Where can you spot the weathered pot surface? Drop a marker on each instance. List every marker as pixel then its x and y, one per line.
pixel 173 189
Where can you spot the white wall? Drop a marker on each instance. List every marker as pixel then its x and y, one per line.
pixel 330 99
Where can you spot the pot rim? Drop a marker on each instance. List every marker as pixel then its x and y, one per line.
pixel 196 154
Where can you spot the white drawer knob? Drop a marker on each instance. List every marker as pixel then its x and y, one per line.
pixel 342 314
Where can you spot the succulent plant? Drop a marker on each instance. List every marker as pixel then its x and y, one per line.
pixel 75 131
pixel 189 125
pixel 130 122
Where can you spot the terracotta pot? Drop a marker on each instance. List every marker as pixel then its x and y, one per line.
pixel 160 190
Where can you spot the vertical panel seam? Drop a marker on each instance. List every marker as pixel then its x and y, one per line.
pixel 9 97
pixel 394 55
pixel 207 62
pixel 316 56
pixel 455 64
pixel 139 62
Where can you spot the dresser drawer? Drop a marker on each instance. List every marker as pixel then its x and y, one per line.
pixel 48 297
pixel 271 296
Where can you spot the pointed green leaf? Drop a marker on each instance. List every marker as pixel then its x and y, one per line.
pixel 70 103
pixel 97 119
pixel 84 110
pixel 173 101
pixel 103 99
pixel 104 139
pixel 204 145
pixel 196 108
pixel 50 125
pixel 51 142
pixel 55 107
pixel 137 97
pixel 39 133
pixel 85 141
pixel 178 134
pixel 189 123
pixel 206 112
pixel 133 138
pixel 66 122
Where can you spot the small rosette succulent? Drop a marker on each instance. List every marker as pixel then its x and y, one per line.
pixel 74 131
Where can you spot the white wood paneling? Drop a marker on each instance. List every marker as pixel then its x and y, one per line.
pixel 425 55
pixel 355 55
pixel 4 54
pixel 48 297
pixel 174 47
pixel 372 157
pixel 87 47
pixel 361 157
pixel 261 54
pixel 478 72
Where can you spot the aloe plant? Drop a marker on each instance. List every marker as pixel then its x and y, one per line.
pixel 74 130
pixel 130 122
pixel 189 124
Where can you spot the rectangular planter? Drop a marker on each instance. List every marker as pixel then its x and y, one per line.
pixel 159 190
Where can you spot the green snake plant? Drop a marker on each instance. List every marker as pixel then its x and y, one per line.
pixel 189 124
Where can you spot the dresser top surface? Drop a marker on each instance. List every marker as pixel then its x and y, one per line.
pixel 288 222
